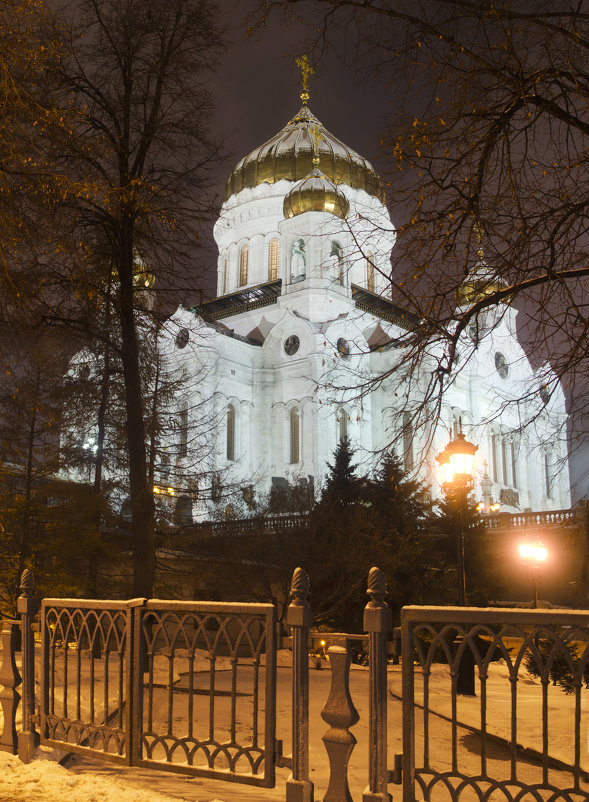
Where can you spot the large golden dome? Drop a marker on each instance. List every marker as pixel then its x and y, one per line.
pixel 289 154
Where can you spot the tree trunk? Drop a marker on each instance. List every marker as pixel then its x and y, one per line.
pixel 142 506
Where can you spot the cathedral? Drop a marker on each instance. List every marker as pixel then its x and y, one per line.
pixel 303 317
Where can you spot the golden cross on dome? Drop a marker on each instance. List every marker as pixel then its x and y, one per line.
pixel 306 69
pixel 317 138
pixel 479 231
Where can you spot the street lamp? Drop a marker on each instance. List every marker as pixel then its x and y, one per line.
pixel 456 464
pixel 534 555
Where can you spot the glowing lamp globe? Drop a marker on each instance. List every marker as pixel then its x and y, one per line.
pixel 456 460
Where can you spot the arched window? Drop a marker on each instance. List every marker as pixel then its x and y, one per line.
pixel 514 450
pixel 298 261
pixel 294 436
pixel 224 275
pixel 549 475
pixel 494 458
pixel 337 251
pixel 342 420
pixel 504 460
pixel 243 265
pixel 183 431
pixel 183 511
pixel 273 259
pixel 231 432
pixel 408 459
pixel 370 272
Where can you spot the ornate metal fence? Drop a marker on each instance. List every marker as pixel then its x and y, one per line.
pixel 531 668
pixel 183 686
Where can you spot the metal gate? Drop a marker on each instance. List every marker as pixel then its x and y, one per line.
pixel 471 673
pixel 182 686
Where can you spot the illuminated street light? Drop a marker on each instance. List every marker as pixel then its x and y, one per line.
pixel 456 463
pixel 534 555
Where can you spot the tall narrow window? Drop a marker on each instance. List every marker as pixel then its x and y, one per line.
pixel 273 259
pixel 549 475
pixel 224 275
pixel 514 477
pixel 494 458
pixel 183 431
pixel 408 460
pixel 343 424
pixel 336 250
pixel 294 436
pixel 504 460
pixel 298 261
pixel 370 273
pixel 243 265
pixel 231 432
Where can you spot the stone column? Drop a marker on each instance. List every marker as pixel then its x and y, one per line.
pixel 10 679
pixel 298 786
pixel 339 712
pixel 378 623
pixel 28 738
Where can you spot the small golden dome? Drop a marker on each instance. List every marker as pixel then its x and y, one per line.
pixel 315 193
pixel 289 155
pixel 478 284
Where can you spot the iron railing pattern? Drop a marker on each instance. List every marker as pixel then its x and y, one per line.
pixel 85 676
pixel 183 686
pixel 551 643
pixel 212 712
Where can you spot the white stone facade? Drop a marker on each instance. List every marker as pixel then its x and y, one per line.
pixel 286 331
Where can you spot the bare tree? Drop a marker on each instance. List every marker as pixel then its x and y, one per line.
pixel 134 83
pixel 487 162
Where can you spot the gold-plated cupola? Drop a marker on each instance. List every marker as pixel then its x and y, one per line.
pixel 315 193
pixel 289 155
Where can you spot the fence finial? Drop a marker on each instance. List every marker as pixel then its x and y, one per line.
pixel 377 587
pixel 299 588
pixel 27 583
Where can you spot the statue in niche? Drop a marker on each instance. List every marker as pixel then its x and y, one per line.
pixel 298 261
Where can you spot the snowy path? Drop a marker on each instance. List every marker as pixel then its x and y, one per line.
pixel 86 780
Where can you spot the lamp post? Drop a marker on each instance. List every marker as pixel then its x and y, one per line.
pixel 534 555
pixel 456 463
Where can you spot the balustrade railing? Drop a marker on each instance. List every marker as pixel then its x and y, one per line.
pixel 531 519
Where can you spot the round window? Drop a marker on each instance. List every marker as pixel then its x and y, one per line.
pixel 501 365
pixel 291 345
pixel 182 338
pixel 343 347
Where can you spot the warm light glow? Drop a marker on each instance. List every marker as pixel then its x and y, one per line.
pixel 323 643
pixel 535 552
pixel 457 460
pixel 495 506
pixel 171 491
pixel 156 489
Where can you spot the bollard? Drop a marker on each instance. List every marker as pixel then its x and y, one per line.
pixel 299 788
pixel 28 738
pixel 378 623
pixel 339 712
pixel 10 679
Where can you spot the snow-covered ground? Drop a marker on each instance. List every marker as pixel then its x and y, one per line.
pixel 86 780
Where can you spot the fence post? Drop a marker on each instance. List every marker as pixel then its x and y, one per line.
pixel 378 623
pixel 10 679
pixel 28 738
pixel 299 788
pixel 339 712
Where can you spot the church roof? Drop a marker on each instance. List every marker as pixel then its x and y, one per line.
pixel 289 155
